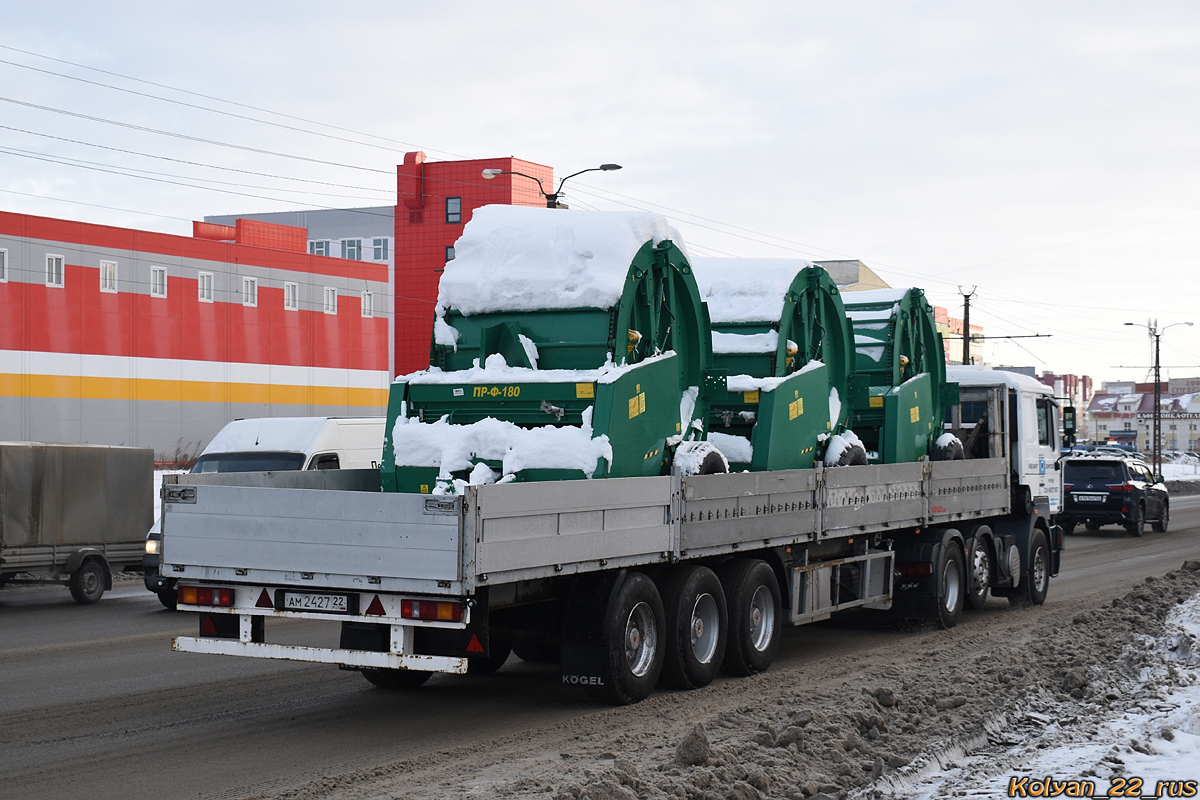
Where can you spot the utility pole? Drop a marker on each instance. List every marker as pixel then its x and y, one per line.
pixel 966 296
pixel 1157 400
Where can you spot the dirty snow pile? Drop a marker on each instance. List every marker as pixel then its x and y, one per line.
pixel 517 258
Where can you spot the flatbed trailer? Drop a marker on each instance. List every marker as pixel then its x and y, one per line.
pixel 624 580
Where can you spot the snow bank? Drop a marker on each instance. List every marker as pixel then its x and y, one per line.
pixel 517 258
pixel 456 447
pixel 745 289
pixel 496 370
pixel 745 342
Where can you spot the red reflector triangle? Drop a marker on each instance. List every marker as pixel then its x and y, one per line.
pixel 264 600
pixel 474 646
pixel 375 609
pixel 207 628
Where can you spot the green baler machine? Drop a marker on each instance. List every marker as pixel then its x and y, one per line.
pixel 900 391
pixel 594 383
pixel 781 336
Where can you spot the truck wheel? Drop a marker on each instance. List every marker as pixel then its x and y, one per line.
pixel 696 624
pixel 169 598
pixel 499 649
pixel 979 571
pixel 634 624
pixel 953 586
pixel 1137 523
pixel 87 583
pixel 1035 584
pixel 1160 525
pixel 952 451
pixel 395 679
pixel 755 615
pixel 1023 500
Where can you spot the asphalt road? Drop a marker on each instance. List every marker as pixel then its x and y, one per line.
pixel 94 704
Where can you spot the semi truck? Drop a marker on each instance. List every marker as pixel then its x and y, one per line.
pixel 73 514
pixel 547 488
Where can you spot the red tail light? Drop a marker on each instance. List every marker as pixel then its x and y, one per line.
pixel 205 596
pixel 1119 487
pixel 1068 487
pixel 440 611
pixel 920 568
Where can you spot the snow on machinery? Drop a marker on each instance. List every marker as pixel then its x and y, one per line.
pixel 565 346
pixel 781 336
pixel 900 390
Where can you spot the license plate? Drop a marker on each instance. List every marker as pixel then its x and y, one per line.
pixel 1090 498
pixel 305 601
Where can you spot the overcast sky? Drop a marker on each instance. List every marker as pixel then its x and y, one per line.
pixel 1043 153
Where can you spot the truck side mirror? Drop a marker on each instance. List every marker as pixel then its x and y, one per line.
pixel 1068 414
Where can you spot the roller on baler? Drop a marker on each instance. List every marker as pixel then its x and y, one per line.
pixel 900 391
pixel 567 344
pixel 782 338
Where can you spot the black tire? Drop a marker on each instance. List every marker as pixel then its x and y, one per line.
pixel 948 452
pixel 1092 526
pixel 169 598
pixel 697 625
pixel 1160 525
pixel 396 679
pixel 1022 500
pixel 536 650
pixel 499 649
pixel 87 583
pixel 634 626
pixel 952 585
pixel 713 464
pixel 755 615
pixel 853 456
pixel 1137 523
pixel 979 570
pixel 1035 582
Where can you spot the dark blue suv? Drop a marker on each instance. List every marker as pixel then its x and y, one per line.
pixel 1101 490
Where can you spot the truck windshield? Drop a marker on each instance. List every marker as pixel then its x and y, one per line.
pixel 1080 471
pixel 248 462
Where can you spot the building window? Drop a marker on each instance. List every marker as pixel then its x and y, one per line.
pixel 352 249
pixel 204 285
pixel 54 270
pixel 108 276
pixel 450 253
pixel 3 266
pixel 291 296
pixel 381 248
pixel 368 304
pixel 158 281
pixel 249 291
pixel 453 210
pixel 319 248
pixel 330 300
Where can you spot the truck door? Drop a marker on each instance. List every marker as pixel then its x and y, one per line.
pixel 1045 452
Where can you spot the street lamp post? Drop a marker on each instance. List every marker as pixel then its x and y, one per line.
pixel 551 197
pixel 1153 328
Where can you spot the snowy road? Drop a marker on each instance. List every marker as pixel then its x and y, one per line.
pixel 93 702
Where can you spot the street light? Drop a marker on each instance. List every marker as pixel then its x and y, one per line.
pixel 1152 327
pixel 551 197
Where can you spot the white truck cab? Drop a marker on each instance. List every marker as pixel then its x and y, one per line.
pixel 290 443
pixel 1034 419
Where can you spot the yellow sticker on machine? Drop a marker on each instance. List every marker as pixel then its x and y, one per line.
pixel 750 397
pixel 583 390
pixel 637 404
pixel 796 408
pixel 876 402
pixel 914 414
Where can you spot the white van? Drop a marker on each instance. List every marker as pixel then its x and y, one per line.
pixel 290 443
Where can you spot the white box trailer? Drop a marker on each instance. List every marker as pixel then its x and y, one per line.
pixel 624 581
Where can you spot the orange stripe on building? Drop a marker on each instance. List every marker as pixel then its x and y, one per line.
pixel 87 388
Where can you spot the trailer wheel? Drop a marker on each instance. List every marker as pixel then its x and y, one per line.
pixel 634 624
pixel 87 582
pixel 696 628
pixel 169 598
pixel 1035 584
pixel 755 615
pixel 396 679
pixel 499 649
pixel 953 588
pixel 979 570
